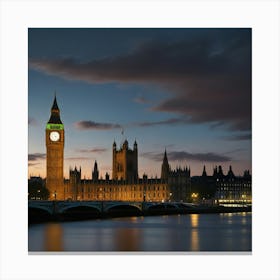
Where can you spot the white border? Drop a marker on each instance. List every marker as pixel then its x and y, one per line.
pixel 17 16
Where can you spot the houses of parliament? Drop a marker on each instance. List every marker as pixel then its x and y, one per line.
pixel 125 184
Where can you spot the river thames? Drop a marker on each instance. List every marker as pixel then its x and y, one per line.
pixel 224 232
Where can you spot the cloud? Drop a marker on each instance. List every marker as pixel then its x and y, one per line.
pixel 93 150
pixel 36 156
pixel 183 155
pixel 239 137
pixel 91 125
pixel 207 75
pixel 171 121
pixel 78 158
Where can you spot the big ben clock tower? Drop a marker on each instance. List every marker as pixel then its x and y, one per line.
pixel 55 152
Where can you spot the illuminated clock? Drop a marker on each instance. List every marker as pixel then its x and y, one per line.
pixel 54 136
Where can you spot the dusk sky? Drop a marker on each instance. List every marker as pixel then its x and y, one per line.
pixel 184 90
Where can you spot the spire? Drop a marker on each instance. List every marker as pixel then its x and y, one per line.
pixel 95 173
pixel 95 166
pixel 55 113
pixel 125 145
pixel 204 174
pixel 165 168
pixel 55 106
pixel 220 172
pixel 230 173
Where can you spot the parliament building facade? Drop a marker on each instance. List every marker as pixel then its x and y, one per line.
pixel 125 184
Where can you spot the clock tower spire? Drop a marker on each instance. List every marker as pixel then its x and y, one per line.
pixel 55 153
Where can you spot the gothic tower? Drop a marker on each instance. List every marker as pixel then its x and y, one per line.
pixel 75 182
pixel 125 162
pixel 165 167
pixel 95 173
pixel 55 151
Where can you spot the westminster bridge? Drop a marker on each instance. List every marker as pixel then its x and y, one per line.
pixel 41 210
pixel 67 210
pixel 60 207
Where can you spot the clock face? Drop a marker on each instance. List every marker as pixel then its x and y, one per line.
pixel 54 136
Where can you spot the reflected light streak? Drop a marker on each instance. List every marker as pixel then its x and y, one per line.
pixel 127 239
pixel 194 240
pixel 194 220
pixel 194 232
pixel 53 237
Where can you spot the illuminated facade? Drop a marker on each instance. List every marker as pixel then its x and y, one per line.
pixel 125 162
pixel 55 153
pixel 231 189
pixel 125 185
pixel 223 189
pixel 173 188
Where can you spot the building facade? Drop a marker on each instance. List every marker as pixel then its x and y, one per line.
pixel 173 188
pixel 232 190
pixel 222 189
pixel 125 162
pixel 125 184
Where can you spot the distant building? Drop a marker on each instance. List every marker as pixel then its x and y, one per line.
pixel 228 190
pixel 231 189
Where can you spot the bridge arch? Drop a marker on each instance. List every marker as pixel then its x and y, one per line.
pixel 124 207
pixel 38 214
pixel 80 208
pixel 39 208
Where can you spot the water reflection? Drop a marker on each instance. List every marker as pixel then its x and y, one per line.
pixel 53 237
pixel 195 232
pixel 194 241
pixel 127 239
pixel 244 221
pixel 227 217
pixel 194 220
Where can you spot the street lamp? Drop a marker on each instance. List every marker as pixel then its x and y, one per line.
pixel 194 196
pixel 38 192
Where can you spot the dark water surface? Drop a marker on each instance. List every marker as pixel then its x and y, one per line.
pixel 193 232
